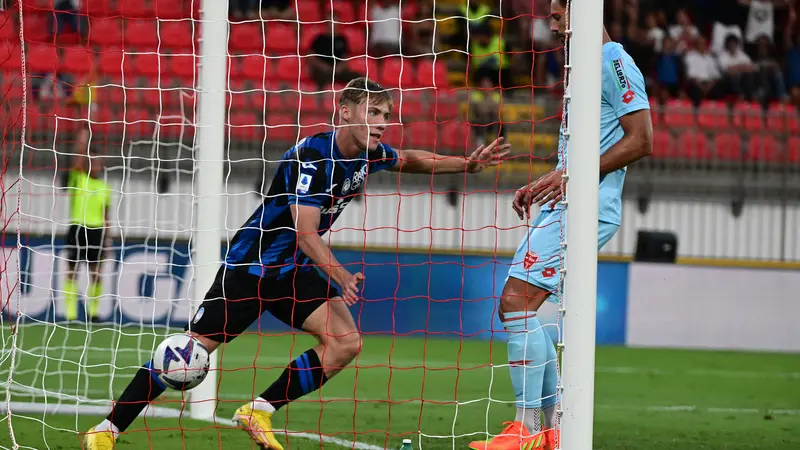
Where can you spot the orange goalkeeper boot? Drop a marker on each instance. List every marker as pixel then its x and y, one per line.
pixel 552 438
pixel 513 437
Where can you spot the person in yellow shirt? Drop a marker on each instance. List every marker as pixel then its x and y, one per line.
pixel 90 198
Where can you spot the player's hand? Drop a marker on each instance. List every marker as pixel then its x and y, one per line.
pixel 488 156
pixel 522 202
pixel 350 287
pixel 548 188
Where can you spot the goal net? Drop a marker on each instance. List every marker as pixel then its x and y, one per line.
pixel 113 88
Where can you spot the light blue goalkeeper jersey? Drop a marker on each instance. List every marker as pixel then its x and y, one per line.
pixel 623 92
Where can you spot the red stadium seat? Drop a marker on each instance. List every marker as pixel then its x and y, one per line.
pixel 10 56
pixel 342 12
pixel 183 66
pixel 794 150
pixel 244 125
pixel 364 65
pixel 142 34
pixel 655 112
pixel 7 28
pixel 160 99
pixel 393 135
pixel 748 116
pixel 456 137
pixel 397 72
pixel 98 8
pixel 169 9
pixel 105 32
pixel 147 64
pixel 134 10
pixel 176 35
pixel 430 74
pixel 309 11
pixel 281 39
pixel 139 122
pixel 728 146
pixel 247 37
pixel 308 33
pixel 356 37
pixel 37 28
pixel 42 58
pixel 408 108
pixel 445 107
pixel 238 101
pixel 76 60
pixel 282 127
pixel 289 68
pixel 663 145
pixel 111 62
pixel 782 118
pixel 679 113
pixel 693 145
pixel 764 148
pixel 114 94
pixel 311 124
pixel 420 135
pixel 713 115
pixel 256 67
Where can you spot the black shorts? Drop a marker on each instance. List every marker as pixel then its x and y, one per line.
pixel 236 299
pixel 84 244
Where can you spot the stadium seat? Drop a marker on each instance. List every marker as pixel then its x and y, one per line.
pixel 105 32
pixel 794 150
pixel 308 10
pixel 342 12
pixel 11 56
pixel 38 29
pixel 693 145
pixel 111 62
pixel 76 60
pixel 134 10
pixel 312 124
pixel 364 65
pixel 104 123
pixel 663 145
pixel 169 9
pixel 139 122
pixel 393 135
pixel 409 107
pixel 655 112
pixel 238 101
pixel 42 58
pixel 782 118
pixel 713 115
pixel 8 29
pixel 141 34
pixel 289 68
pixel 256 67
pixel 679 113
pixel 176 35
pixel 397 72
pixel 456 137
pixel 114 94
pixel 248 37
pixel 763 148
pixel 445 107
pixel 420 135
pixel 728 147
pixel 748 116
pixel 281 39
pixel 430 73
pixel 356 37
pixel 244 124
pixel 147 64
pixel 98 8
pixel 183 66
pixel 309 32
pixel 160 99
pixel 281 127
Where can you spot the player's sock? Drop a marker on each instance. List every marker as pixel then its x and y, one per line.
pixel 95 291
pixel 106 425
pixel 527 350
pixel 143 388
pixel 550 385
pixel 303 375
pixel 71 299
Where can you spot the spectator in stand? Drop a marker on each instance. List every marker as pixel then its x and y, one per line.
pixel 684 32
pixel 485 110
pixel 791 38
pixel 488 56
pixel 66 16
pixel 668 70
pixel 702 73
pixel 277 10
pixel 727 17
pixel 760 21
pixel 326 66
pixel 385 28
pixel 738 69
pixel 655 34
pixel 243 9
pixel 771 81
pixel 422 38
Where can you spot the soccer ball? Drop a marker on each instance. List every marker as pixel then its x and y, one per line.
pixel 181 362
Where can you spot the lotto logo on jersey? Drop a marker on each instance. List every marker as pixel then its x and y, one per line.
pixel 303 183
pixel 530 260
pixel 549 272
pixel 622 79
pixel 628 97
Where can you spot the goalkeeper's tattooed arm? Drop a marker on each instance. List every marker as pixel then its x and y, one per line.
pixel 421 161
pixel 307 220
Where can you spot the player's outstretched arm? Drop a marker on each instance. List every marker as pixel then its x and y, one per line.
pixel 422 161
pixel 306 219
pixel 635 145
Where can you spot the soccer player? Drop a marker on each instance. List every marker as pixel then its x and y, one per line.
pixel 278 261
pixel 625 137
pixel 90 199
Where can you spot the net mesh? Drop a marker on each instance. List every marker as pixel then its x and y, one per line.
pixel 117 80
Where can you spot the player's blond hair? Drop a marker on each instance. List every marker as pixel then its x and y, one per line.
pixel 362 89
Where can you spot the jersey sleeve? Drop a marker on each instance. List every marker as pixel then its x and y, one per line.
pixel 623 86
pixel 307 180
pixel 382 158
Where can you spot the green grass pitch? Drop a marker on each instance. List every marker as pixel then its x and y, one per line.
pixel 441 393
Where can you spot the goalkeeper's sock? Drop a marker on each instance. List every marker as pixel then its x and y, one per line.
pixel 303 375
pixel 71 299
pixel 106 425
pixel 143 388
pixel 550 385
pixel 527 350
pixel 95 291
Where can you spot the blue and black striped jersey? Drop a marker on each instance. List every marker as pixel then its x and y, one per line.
pixel 312 173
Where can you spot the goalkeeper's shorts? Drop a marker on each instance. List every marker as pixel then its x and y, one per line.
pixel 237 299
pixel 538 258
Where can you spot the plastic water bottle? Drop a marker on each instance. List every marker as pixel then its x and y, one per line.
pixel 406 445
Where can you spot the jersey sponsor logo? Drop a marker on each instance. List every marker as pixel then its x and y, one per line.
pixel 354 182
pixel 549 272
pixel 303 183
pixel 530 260
pixel 619 70
pixel 336 208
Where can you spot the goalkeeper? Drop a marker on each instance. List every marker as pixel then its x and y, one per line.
pixel 625 137
pixel 278 262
